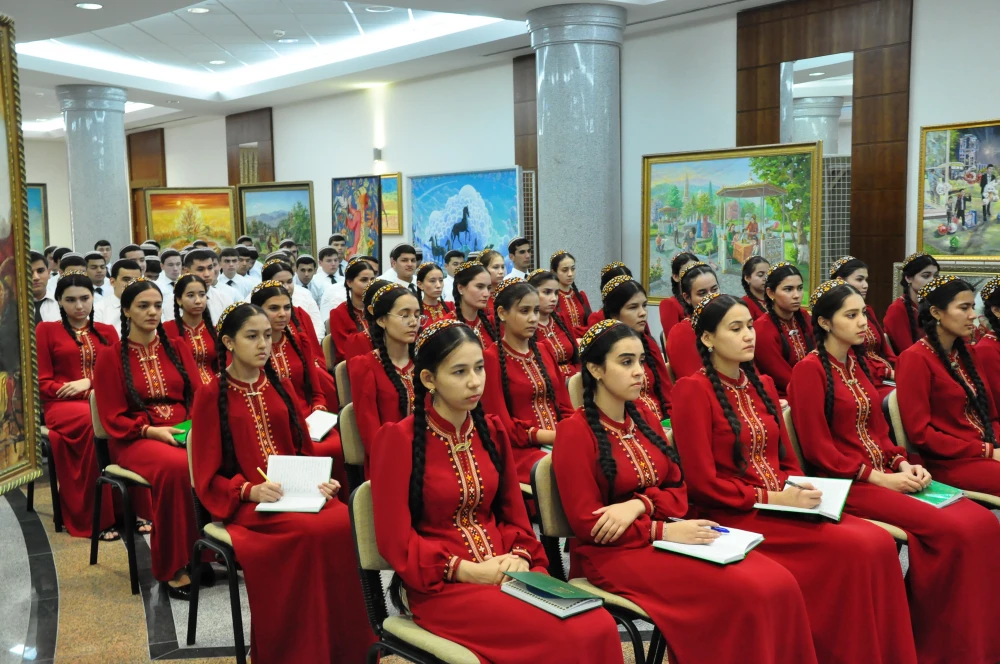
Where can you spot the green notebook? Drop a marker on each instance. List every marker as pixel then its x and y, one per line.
pixel 549 594
pixel 185 428
pixel 938 494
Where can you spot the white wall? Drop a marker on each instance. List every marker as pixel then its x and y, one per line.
pixel 46 163
pixel 935 96
pixel 196 154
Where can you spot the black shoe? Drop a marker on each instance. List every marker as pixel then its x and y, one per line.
pixel 182 593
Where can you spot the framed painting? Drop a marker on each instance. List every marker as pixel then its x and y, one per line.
pixel 725 206
pixel 392 217
pixel 356 214
pixel 177 217
pixel 976 272
pixel 467 212
pixel 20 451
pixel 38 216
pixel 958 203
pixel 273 211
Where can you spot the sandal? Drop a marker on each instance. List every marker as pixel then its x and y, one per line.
pixel 109 535
pixel 143 527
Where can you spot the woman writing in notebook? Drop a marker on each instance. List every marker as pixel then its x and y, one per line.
pixel 947 410
pixel 523 385
pixel 901 317
pixel 608 272
pixel 384 377
pixel 622 488
pixel 348 318
pixel 552 330
pixel 192 324
pixel 784 335
pixel 573 306
pixel 754 277
pixel 851 441
pixel 698 281
pixel 239 420
pixel 430 281
pixel 673 309
pixel 471 291
pixel 452 575
pixel 736 456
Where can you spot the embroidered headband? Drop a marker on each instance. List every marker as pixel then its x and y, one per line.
pixel 707 300
pixel 690 266
pixel 778 266
pixel 225 313
pixel 275 261
pixel 611 266
pixel 270 283
pixel 613 284
pixel 74 269
pixel 534 273
pixel 425 264
pixel 912 257
pixel 825 288
pixel 557 254
pixel 374 283
pixel 989 288
pixel 354 259
pixel 433 329
pixel 467 265
pixel 839 263
pixel 507 283
pixel 595 332
pixel 382 291
pixel 936 283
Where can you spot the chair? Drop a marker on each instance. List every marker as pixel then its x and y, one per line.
pixel 553 523
pixel 343 383
pixel 575 387
pixel 663 344
pixel 398 635
pixel 53 483
pixel 354 448
pixel 329 353
pixel 890 406
pixel 118 478
pixel 217 540
pixel 670 375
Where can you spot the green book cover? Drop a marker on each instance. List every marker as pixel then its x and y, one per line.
pixel 938 494
pixel 547 584
pixel 185 428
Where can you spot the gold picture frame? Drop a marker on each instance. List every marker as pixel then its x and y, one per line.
pixel 282 195
pixel 716 217
pixel 955 203
pixel 20 444
pixel 975 272
pixel 177 216
pixel 392 185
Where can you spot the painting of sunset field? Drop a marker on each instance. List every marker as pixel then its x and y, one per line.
pixel 177 217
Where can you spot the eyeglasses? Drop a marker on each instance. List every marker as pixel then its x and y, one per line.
pixel 406 318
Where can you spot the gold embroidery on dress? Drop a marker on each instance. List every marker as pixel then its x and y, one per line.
pixel 568 303
pixel 643 466
pixel 646 396
pixel 88 356
pixel 796 337
pixel 254 398
pixel 862 409
pixel 149 365
pixel 545 415
pixel 200 351
pixel 281 364
pixel 758 433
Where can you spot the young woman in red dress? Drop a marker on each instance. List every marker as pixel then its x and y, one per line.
pixel 878 353
pixel 608 272
pixel 697 282
pixel 625 300
pixel 452 574
pixel 67 353
pixel 240 419
pixel 987 349
pixel 851 441
pixel 472 292
pixel 900 320
pixel 784 335
pixel 348 318
pixel 145 389
pixel 430 281
pixel 557 335
pixel 573 306
pixel 622 485
pixel 754 277
pixel 494 263
pixel 672 309
pixel 385 375
pixel 523 385
pixel 192 324
pixel 948 410
pixel 736 454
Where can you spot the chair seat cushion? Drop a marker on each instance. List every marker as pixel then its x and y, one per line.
pixel 117 471
pixel 217 531
pixel 526 489
pixel 610 599
pixel 983 498
pixel 404 629
pixel 45 431
pixel 897 533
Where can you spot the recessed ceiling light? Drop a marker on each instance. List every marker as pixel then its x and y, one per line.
pixel 379 9
pixel 216 62
pixel 199 10
pixel 173 101
pixel 89 5
pixel 288 40
pixel 41 119
pixel 818 73
pixel 39 94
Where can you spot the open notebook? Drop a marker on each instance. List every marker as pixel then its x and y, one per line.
pixel 299 477
pixel 320 422
pixel 728 548
pixel 550 594
pixel 832 504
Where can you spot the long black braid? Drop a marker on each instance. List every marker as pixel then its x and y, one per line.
pixel 748 268
pixel 978 398
pixel 168 348
pixel 727 409
pixel 293 414
pixel 80 281
pixel 381 308
pixel 229 464
pixel 132 393
pixel 913 266
pixel 676 264
pixel 575 357
pixel 467 274
pixel 775 276
pixel 206 316
pixel 554 267
pixel 651 363
pixel 307 386
pixel 353 271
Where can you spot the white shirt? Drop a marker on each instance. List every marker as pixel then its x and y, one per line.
pixel 390 275
pixel 50 310
pixel 164 282
pixel 301 297
pixel 255 271
pixel 446 290
pixel 50 288
pixel 109 310
pixel 218 300
pixel 106 288
pixel 317 286
pixel 514 272
pixel 241 285
pixel 335 295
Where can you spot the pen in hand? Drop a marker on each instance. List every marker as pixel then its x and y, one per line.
pixel 718 529
pixel 266 478
pixel 797 486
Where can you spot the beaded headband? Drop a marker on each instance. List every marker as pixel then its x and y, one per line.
pixel 74 269
pixel 701 307
pixel 825 288
pixel 462 267
pixel 595 332
pixel 507 283
pixel 613 284
pixel 355 259
pixel 989 288
pixel 557 254
pixel 374 283
pixel 778 266
pixel 912 257
pixel 275 261
pixel 425 264
pixel 689 266
pixel 139 280
pixel 614 265
pixel 270 283
pixel 382 291
pixel 534 273
pixel 433 329
pixel 225 313
pixel 839 263
pixel 936 283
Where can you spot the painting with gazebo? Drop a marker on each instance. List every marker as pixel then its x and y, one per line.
pixel 725 206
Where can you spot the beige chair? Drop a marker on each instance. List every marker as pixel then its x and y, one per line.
pixel 670 375
pixel 329 353
pixel 554 524
pixel 575 387
pixel 398 635
pixel 343 383
pixel 891 408
pixel 118 478
pixel 354 448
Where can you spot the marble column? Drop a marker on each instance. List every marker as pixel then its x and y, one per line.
pixel 818 119
pixel 94 116
pixel 786 92
pixel 577 56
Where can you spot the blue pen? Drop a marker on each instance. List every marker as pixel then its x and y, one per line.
pixel 718 529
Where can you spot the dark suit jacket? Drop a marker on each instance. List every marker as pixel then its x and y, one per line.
pixel 983 181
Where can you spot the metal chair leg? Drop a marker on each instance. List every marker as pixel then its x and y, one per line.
pixel 554 554
pixel 638 650
pixel 95 526
pixel 54 489
pixel 193 601
pixel 30 506
pixel 234 601
pixel 657 654
pixel 129 528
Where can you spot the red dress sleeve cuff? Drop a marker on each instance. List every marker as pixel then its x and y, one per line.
pixel 656 530
pixel 896 460
pixel 521 552
pixel 143 430
pixel 317 407
pixel 450 568
pixel 987 450
pixel 245 492
pixel 645 501
pixel 533 435
pixel 760 494
pixel 864 472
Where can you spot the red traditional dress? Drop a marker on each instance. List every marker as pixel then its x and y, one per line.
pixel 942 424
pixel 161 388
pixel 572 308
pixel 897 325
pixel 757 307
pixel 595 317
pixel 342 327
pixel 682 350
pixel 879 355
pixel 300 569
pixel 435 312
pixel 531 409
pixel 987 352
pixel 648 395
pixel 560 344
pixel 671 313
pixel 942 579
pixel 326 381
pixel 464 520
pixel 848 568
pixel 478 327
pixel 71 432
pixel 201 344
pixel 768 355
pixel 757 600
pixel 381 400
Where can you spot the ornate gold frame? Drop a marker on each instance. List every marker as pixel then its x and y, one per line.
pixel 265 186
pixel 815 231
pixel 399 188
pixel 234 223
pixel 964 269
pixel 920 192
pixel 24 472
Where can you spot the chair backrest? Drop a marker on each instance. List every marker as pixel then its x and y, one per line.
pixel 575 387
pixel 190 460
pixel 793 438
pixel 95 418
pixel 363 529
pixel 100 436
pixel 896 422
pixel 551 517
pixel 350 437
pixel 670 375
pixel 329 353
pixel 343 383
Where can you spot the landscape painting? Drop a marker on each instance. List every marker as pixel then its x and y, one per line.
pixel 177 217
pixel 725 206
pixel 356 214
pixel 392 220
pixel 959 201
pixel 275 211
pixel 466 212
pixel 38 216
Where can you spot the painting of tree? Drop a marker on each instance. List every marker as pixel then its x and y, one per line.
pixel 177 217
